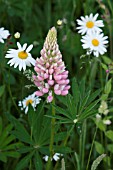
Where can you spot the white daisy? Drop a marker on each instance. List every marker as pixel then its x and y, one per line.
pixel 89 24
pixel 95 42
pixel 3 34
pixel 20 57
pixel 31 99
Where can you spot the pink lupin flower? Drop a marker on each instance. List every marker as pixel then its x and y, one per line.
pixel 51 74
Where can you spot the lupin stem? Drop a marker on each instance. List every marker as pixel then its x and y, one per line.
pixel 48 167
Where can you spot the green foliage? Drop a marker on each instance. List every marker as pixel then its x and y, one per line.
pixel 99 147
pixel 2 88
pixel 7 147
pixel 78 107
pixel 109 134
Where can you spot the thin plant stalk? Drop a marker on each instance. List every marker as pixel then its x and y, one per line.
pixel 91 149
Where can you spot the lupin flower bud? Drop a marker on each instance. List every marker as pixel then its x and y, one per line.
pixel 51 74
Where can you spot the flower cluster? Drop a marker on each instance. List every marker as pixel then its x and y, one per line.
pixel 103 110
pixel 51 74
pixel 94 40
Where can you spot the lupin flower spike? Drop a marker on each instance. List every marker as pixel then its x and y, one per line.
pixel 51 74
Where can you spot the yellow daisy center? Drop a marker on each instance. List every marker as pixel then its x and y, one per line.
pixel 95 42
pixel 22 55
pixel 30 101
pixel 90 24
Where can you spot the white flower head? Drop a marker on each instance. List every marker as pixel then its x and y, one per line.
pixel 107 122
pixel 20 57
pixel 46 158
pixel 17 35
pixel 103 109
pixel 95 42
pixel 89 24
pixel 56 157
pixel 3 34
pixel 31 99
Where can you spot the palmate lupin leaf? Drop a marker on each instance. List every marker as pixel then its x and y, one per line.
pixel 78 106
pixel 7 149
pixel 97 161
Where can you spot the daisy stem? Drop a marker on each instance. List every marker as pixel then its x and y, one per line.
pixel 10 93
pixel 48 167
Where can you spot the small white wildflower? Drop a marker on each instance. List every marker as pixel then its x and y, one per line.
pixel 20 57
pixel 98 117
pixel 56 157
pixel 31 99
pixel 107 122
pixel 3 34
pixel 46 158
pixel 59 22
pixel 17 35
pixel 75 120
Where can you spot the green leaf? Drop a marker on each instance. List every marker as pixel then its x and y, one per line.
pixel 77 161
pixel 5 133
pixel 12 154
pixel 25 149
pixel 84 101
pixel 60 136
pixel 99 147
pixel 71 106
pixel 89 111
pixel 104 96
pixel 0 126
pixel 38 162
pixel 3 157
pixel 104 66
pixel 62 149
pixel 63 112
pixel 101 125
pixel 38 117
pixel 107 88
pixel 13 146
pixel 24 162
pixel 109 134
pixel 110 148
pixel 97 162
pixel 20 131
pixel 106 59
pixel 93 96
pixel 75 91
pixel 7 141
pixel 2 88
